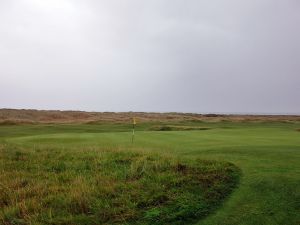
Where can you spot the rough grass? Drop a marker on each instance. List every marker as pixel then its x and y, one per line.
pixel 53 185
pixel 55 116
pixel 176 128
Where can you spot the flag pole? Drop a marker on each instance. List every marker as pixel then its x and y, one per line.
pixel 133 127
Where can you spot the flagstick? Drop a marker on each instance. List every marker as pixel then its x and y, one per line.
pixel 132 133
pixel 133 126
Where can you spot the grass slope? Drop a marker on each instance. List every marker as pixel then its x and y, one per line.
pixel 267 153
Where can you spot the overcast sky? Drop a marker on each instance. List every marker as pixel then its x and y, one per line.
pixel 229 56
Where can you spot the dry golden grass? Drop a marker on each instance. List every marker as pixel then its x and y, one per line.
pixel 22 116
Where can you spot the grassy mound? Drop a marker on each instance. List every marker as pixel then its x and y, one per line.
pixel 177 128
pixel 8 122
pixel 107 186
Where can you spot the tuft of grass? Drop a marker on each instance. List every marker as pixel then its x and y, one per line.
pixel 49 185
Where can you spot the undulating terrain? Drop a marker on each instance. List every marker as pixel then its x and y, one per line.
pixel 82 168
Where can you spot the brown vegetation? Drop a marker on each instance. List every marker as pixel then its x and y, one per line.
pixel 14 116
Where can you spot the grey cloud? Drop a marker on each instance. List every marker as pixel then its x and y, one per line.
pixel 160 55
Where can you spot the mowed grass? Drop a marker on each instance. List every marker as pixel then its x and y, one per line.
pixel 95 175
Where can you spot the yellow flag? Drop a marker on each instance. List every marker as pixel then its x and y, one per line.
pixel 133 121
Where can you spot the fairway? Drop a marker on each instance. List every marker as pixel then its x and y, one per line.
pixel 267 155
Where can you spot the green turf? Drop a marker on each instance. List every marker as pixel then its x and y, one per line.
pixel 268 155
